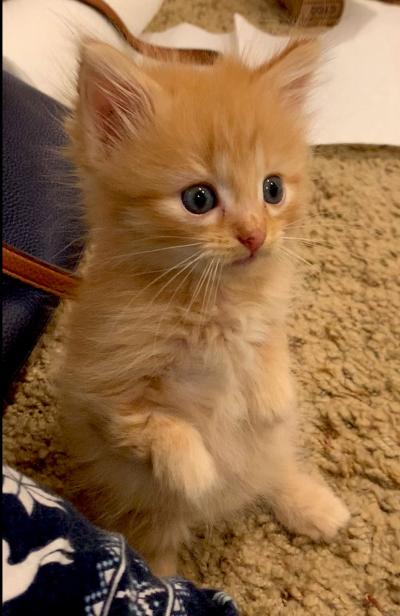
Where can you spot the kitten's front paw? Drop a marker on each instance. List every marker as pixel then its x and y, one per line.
pixel 193 473
pixel 312 509
pixel 182 462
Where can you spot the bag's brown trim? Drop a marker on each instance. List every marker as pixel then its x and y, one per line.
pixel 194 56
pixel 37 273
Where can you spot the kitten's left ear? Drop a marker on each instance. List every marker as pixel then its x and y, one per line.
pixel 116 98
pixel 293 69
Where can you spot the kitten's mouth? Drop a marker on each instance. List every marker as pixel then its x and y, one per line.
pixel 244 260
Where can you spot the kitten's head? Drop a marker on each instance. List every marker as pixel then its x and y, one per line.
pixel 192 165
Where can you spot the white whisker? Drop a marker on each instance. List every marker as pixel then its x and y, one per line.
pixel 197 290
pixel 204 303
pixel 194 260
pixel 212 286
pixel 145 252
pixel 289 253
pixel 191 265
pixel 304 240
pixel 218 281
pixel 165 273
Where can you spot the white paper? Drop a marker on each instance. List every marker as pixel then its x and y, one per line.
pixel 191 37
pixel 357 99
pixel 40 37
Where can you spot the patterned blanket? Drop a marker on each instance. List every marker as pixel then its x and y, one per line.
pixel 56 562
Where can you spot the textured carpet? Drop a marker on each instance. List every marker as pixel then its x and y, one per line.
pixel 345 336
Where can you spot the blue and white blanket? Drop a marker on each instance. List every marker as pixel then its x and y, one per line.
pixel 56 563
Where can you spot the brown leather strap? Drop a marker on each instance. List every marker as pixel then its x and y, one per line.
pixel 194 56
pixel 37 273
pixel 46 276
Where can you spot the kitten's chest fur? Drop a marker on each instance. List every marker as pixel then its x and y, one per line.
pixel 235 394
pixel 225 372
pixel 229 381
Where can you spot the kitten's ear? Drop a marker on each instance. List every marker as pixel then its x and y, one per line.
pixel 115 97
pixel 293 69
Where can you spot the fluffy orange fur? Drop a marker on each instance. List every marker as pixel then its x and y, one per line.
pixel 177 396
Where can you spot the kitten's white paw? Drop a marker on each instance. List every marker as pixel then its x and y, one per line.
pixel 194 474
pixel 184 464
pixel 312 509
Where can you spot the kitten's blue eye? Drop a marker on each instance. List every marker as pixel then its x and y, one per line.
pixel 273 191
pixel 199 199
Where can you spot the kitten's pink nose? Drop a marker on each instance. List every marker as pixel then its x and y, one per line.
pixel 254 240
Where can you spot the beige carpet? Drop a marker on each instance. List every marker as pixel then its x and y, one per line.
pixel 346 340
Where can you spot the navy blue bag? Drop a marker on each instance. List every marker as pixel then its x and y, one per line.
pixel 41 213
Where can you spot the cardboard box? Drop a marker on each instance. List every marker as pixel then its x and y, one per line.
pixel 315 13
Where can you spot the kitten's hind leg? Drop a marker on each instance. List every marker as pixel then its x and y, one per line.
pixel 163 564
pixel 157 536
pixel 302 503
pixel 307 506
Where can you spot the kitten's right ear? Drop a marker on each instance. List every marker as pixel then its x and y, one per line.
pixel 293 69
pixel 115 97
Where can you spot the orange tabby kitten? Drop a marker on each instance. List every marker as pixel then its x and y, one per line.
pixel 178 401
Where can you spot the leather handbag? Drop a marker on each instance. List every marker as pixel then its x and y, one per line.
pixel 41 218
